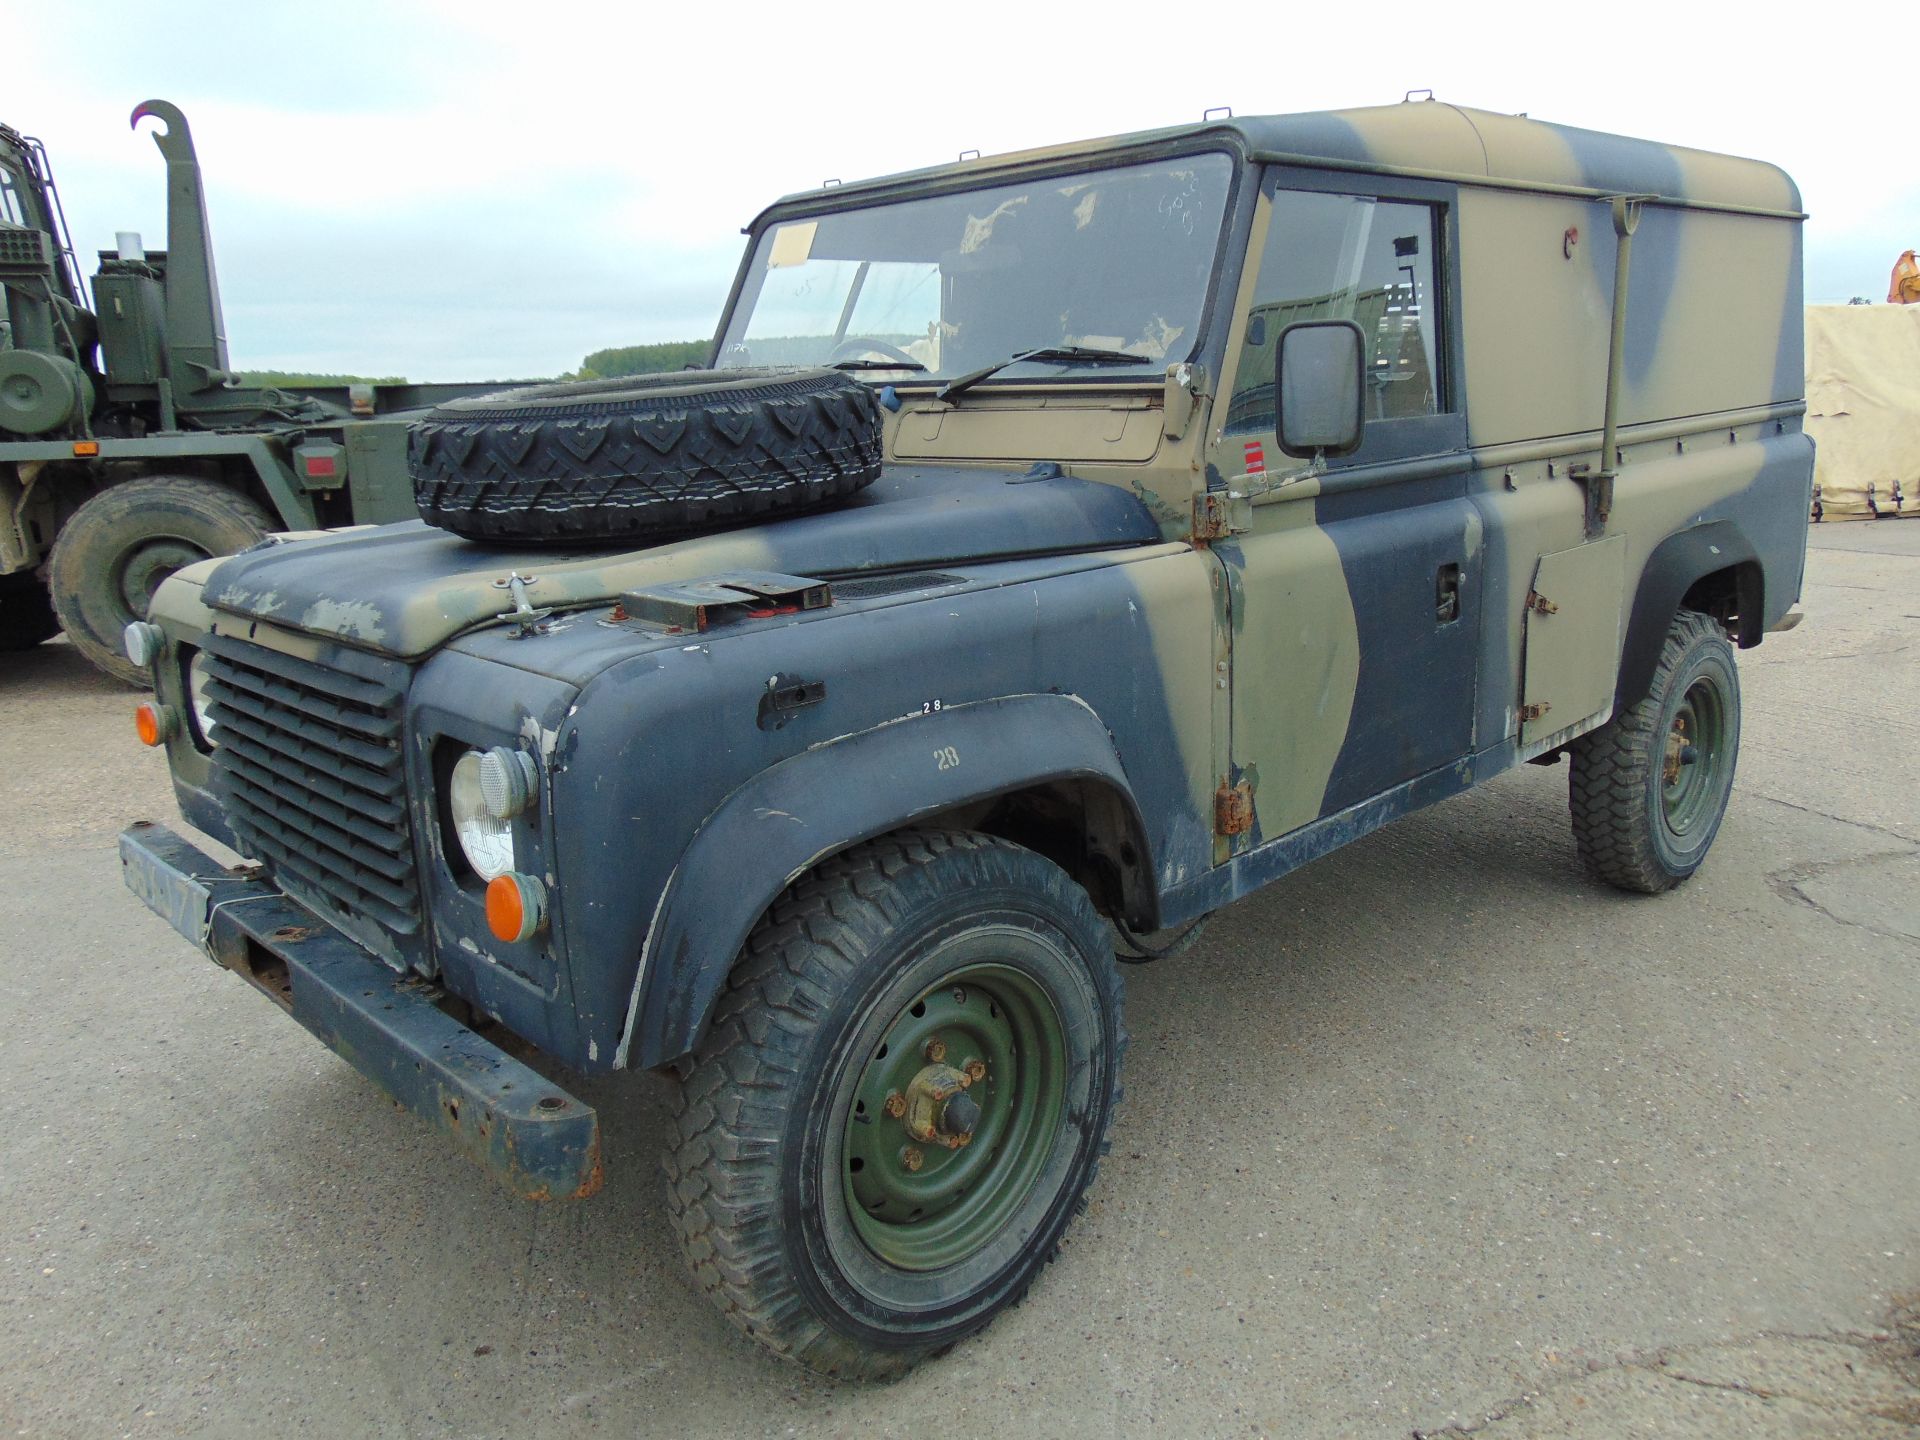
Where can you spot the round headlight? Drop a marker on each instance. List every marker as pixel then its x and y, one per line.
pixel 199 699
pixel 485 838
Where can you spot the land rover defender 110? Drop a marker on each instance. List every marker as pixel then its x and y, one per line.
pixel 1060 546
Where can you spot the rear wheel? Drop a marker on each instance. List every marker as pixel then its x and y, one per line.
pixel 903 1099
pixel 1648 789
pixel 26 613
pixel 114 553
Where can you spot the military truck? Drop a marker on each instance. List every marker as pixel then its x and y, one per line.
pixel 128 447
pixel 1159 515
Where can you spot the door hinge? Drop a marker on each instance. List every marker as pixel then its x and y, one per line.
pixel 1210 516
pixel 1220 513
pixel 1185 388
pixel 1535 710
pixel 1538 602
pixel 1233 809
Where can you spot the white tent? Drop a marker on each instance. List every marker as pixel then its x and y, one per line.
pixel 1863 410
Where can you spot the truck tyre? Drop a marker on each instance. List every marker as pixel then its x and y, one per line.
pixel 902 1100
pixel 1648 788
pixel 112 555
pixel 26 612
pixel 643 457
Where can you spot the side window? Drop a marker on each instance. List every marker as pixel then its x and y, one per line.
pixel 10 213
pixel 1347 257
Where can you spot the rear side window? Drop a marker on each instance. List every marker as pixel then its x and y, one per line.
pixel 10 210
pixel 1347 257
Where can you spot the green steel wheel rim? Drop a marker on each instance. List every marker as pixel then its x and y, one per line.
pixel 1694 771
pixel 922 1204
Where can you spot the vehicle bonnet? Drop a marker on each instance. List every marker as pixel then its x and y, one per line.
pixel 406 589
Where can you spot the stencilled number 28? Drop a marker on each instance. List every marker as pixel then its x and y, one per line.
pixel 946 757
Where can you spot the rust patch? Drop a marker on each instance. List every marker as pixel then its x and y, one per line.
pixel 596 1177
pixel 926 1099
pixel 1233 809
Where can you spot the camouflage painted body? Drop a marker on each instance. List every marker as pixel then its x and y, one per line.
pixel 1143 620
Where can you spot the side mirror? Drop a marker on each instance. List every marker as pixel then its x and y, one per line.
pixel 1320 387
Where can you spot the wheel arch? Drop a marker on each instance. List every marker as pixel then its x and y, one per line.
pixel 1712 568
pixel 253 473
pixel 1040 770
pixel 110 556
pixel 246 465
pixel 257 469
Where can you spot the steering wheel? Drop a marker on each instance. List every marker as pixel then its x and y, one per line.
pixel 854 346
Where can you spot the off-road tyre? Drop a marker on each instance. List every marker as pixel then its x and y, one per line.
pixel 114 552
pixel 643 458
pixel 759 1187
pixel 26 613
pixel 1640 821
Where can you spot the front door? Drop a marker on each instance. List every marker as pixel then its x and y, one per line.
pixel 1354 593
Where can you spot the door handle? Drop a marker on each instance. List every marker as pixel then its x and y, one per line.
pixel 1446 593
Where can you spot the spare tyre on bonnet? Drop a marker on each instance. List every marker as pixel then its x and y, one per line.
pixel 646 456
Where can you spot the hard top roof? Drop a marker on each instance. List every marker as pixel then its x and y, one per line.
pixel 1452 142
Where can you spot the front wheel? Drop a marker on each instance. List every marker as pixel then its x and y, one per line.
pixel 117 549
pixel 1648 789
pixel 902 1101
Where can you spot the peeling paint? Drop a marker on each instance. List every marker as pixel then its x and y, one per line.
pixel 263 605
pixel 951 710
pixel 640 973
pixel 538 738
pixel 349 619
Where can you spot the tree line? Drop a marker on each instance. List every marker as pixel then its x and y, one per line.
pixel 643 359
pixel 306 379
pixel 607 364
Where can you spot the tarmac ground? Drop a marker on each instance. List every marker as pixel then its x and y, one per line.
pixel 1433 1137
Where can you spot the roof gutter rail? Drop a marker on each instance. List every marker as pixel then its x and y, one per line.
pixel 1496 182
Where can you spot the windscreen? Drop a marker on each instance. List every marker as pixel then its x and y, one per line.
pixel 1113 260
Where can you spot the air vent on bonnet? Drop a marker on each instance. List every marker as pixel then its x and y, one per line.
pixel 716 599
pixel 874 588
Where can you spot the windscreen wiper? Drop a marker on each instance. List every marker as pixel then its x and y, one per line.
pixel 1056 354
pixel 876 365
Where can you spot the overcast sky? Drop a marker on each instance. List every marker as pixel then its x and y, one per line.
pixel 475 191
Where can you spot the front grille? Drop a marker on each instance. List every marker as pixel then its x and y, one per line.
pixel 310 768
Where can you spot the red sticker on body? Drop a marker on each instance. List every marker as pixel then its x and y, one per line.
pixel 1256 458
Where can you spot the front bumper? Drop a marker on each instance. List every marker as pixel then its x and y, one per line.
pixel 533 1137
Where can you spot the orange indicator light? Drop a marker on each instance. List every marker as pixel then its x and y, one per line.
pixel 516 906
pixel 150 722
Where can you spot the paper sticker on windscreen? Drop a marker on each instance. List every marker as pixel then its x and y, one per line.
pixel 792 244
